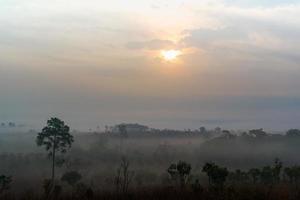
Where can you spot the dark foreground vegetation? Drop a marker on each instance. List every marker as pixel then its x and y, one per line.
pixel 135 162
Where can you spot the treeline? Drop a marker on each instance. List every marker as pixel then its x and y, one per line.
pixel 136 130
pixel 274 181
pixel 221 184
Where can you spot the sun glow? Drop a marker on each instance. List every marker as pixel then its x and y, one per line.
pixel 170 55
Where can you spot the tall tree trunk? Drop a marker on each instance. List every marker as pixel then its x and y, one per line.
pixel 53 159
pixel 53 165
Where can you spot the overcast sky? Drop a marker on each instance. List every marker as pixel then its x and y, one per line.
pixel 99 62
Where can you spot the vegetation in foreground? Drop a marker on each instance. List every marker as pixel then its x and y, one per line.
pixel 181 182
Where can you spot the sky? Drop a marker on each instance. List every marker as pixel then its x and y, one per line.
pixel 96 63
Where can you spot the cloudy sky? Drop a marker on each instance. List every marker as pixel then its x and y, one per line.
pixel 100 62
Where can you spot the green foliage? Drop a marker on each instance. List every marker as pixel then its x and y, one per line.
pixel 55 136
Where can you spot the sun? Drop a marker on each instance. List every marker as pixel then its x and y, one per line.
pixel 170 55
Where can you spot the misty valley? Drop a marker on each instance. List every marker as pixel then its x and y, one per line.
pixel 149 100
pixel 133 161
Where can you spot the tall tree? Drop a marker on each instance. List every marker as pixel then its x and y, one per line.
pixel 56 138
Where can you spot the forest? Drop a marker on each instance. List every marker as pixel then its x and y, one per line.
pixel 132 161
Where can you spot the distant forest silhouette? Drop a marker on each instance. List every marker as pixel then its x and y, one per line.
pixel 133 161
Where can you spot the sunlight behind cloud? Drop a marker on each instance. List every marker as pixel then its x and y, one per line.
pixel 166 49
pixel 170 55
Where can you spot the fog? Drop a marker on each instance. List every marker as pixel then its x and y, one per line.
pixel 181 68
pixel 97 155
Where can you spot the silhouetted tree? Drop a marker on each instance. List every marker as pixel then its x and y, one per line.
pixel 184 170
pixel 293 132
pixel 124 176
pixel 11 124
pixel 218 130
pixel 216 175
pixel 56 138
pixel 203 130
pixel 227 135
pixel 258 133
pixel 122 130
pixel 238 177
pixel 277 170
pixel 266 175
pixel 5 182
pixel 254 174
pixel 271 174
pixel 180 171
pixel 293 174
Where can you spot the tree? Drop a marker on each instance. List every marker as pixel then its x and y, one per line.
pixel 5 182
pixel 266 175
pixel 293 133
pixel 271 174
pixel 238 177
pixel 124 176
pixel 202 130
pixel 56 138
pixel 254 173
pixel 184 170
pixel 277 170
pixel 180 171
pixel 216 175
pixel 293 173
pixel 258 133
pixel 218 130
pixel 227 135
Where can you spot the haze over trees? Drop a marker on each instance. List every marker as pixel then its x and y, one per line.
pixel 133 162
